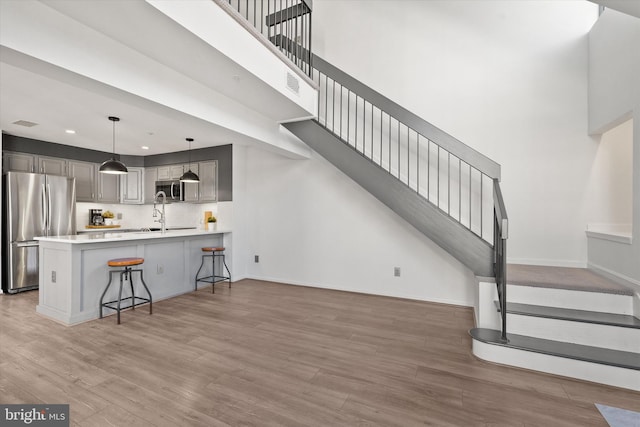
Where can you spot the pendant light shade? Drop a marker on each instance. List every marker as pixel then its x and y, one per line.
pixel 113 166
pixel 189 176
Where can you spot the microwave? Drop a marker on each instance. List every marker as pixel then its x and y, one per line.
pixel 174 190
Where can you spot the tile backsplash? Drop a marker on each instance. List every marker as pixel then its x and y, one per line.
pixel 141 216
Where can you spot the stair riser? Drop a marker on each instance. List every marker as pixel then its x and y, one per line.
pixel 596 335
pixel 577 300
pixel 604 374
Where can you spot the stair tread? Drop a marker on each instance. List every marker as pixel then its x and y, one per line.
pixel 585 316
pixel 622 359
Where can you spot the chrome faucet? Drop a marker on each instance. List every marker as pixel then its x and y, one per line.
pixel 162 220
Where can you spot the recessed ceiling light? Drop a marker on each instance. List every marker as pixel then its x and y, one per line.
pixel 71 131
pixel 144 147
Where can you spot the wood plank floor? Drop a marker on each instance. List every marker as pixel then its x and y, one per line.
pixel 266 354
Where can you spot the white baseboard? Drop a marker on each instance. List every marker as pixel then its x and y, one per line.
pixel 359 291
pixel 624 280
pixel 548 262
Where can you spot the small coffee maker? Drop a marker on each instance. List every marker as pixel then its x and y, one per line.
pixel 95 217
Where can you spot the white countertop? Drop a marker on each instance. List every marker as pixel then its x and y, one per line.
pixel 117 237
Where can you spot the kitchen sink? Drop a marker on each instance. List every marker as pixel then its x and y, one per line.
pixel 168 228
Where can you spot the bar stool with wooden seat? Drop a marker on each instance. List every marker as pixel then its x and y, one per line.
pixel 125 274
pixel 213 252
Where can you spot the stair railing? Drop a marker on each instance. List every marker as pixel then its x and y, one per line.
pixel 458 180
pixel 286 23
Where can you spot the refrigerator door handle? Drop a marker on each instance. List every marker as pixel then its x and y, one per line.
pixel 48 209
pixel 27 244
pixel 172 196
pixel 45 225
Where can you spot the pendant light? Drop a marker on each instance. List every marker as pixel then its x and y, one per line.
pixel 189 176
pixel 113 166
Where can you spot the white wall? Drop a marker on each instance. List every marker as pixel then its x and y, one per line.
pixel 610 184
pixel 614 97
pixel 312 225
pixel 507 78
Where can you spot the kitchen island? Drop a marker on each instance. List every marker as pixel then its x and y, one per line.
pixel 74 271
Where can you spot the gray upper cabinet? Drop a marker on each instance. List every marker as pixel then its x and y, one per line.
pixel 169 172
pixel 150 178
pixel 191 189
pixel 108 188
pixel 18 162
pixel 85 175
pixel 131 190
pixel 208 187
pixel 52 166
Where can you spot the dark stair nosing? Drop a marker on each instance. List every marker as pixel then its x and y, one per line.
pixel 584 316
pixel 602 356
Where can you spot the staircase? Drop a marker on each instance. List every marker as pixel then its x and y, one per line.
pixel 581 332
pixel 451 194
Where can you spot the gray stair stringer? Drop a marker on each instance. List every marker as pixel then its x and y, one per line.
pixel 461 243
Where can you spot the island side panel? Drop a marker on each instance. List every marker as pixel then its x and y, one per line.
pixel 55 283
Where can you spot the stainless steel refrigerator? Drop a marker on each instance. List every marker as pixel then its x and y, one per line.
pixel 35 205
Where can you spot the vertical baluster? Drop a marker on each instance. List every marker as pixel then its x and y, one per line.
pixel 309 32
pixel 481 204
pixel 408 161
pixel 389 143
pixel 459 191
pixel 428 169
pixel 371 131
pixel 289 36
pixel 356 123
pixel 417 162
pixel 470 225
pixel 326 101
pixel 261 14
pixel 399 177
pixel 380 137
pixel 348 116
pixel 268 23
pixel 296 55
pixel 364 127
pixel 438 181
pixel 449 183
pixel 341 111
pixel 279 15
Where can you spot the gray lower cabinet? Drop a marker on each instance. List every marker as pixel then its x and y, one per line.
pixel 108 188
pixel 150 178
pixel 85 175
pixel 52 165
pixel 208 187
pixel 131 191
pixel 18 162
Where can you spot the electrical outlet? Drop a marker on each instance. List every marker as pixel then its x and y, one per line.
pixel 256 258
pixel 160 269
pixel 396 271
pixel 119 215
pixel 53 277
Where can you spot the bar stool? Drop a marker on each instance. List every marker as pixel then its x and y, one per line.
pixel 125 274
pixel 213 252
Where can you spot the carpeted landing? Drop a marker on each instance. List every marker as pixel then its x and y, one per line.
pixel 578 279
